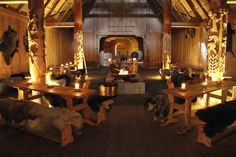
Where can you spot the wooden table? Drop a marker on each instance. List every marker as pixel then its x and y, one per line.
pixel 68 93
pixel 191 92
pixel 123 64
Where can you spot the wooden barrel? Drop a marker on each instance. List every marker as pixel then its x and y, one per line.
pixel 107 89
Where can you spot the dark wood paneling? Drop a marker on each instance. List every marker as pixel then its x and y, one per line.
pixel 150 29
pixel 188 51
pixel 230 60
pixel 59 45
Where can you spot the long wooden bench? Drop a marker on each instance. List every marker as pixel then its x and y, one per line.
pixel 216 122
pixel 51 123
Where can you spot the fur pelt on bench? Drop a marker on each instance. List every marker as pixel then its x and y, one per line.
pixel 217 118
pixel 19 110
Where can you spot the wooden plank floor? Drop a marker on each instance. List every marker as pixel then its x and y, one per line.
pixel 128 132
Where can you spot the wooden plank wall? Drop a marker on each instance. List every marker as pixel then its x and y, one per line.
pixel 188 51
pixel 230 60
pixel 149 28
pixel 59 46
pixel 20 60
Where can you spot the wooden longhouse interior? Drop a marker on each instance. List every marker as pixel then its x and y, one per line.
pixel 117 78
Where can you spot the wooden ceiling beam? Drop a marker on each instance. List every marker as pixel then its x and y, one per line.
pixel 52 8
pixel 59 25
pixel 67 10
pixel 199 13
pixel 183 11
pixel 158 11
pixel 178 11
pixel 185 25
pixel 14 2
pixel 201 9
pixel 87 7
pixel 187 8
pixel 46 3
pixel 176 16
pixel 204 5
pixel 122 15
pixel 121 6
pixel 60 8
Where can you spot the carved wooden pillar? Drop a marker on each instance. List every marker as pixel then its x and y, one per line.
pixel 216 46
pixel 166 49
pixel 78 35
pixel 36 38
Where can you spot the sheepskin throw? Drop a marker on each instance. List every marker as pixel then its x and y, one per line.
pixel 19 110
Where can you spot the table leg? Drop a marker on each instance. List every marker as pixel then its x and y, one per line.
pixel 85 110
pixel 187 116
pixel 207 100
pixel 170 115
pixel 234 92
pixel 69 102
pixel 22 94
pixel 224 95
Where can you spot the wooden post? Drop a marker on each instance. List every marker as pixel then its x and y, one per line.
pixel 166 49
pixel 78 35
pixel 36 38
pixel 216 46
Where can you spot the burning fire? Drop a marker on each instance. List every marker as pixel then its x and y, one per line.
pixel 123 72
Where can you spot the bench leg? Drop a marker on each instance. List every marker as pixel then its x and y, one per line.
pixel 101 114
pixel 66 135
pixel 201 136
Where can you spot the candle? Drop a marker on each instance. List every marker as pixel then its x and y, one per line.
pixel 29 81
pixel 51 68
pixel 67 64
pixel 134 59
pixel 70 63
pixel 183 86
pixel 109 59
pixel 49 82
pixel 62 65
pixel 205 82
pixel 76 85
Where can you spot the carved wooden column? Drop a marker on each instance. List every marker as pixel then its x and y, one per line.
pixel 216 46
pixel 36 38
pixel 78 35
pixel 166 49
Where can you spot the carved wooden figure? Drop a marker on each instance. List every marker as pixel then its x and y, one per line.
pixel 36 38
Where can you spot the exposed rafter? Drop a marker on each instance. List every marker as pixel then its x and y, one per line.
pixel 122 15
pixel 52 8
pixel 87 7
pixel 156 8
pixel 62 10
pixel 59 25
pixel 198 9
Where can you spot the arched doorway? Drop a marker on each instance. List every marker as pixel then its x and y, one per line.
pixel 121 45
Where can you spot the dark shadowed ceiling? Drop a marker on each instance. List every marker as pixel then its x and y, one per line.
pixel 62 10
